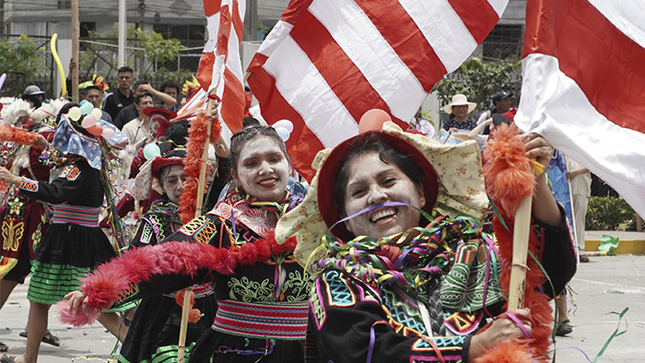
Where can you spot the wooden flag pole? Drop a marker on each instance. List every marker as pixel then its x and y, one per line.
pixel 201 186
pixel 521 230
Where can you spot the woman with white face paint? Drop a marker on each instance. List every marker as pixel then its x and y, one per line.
pixel 262 293
pixel 154 331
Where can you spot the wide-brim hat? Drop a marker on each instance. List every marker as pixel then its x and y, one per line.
pixel 461 191
pixel 149 170
pixel 332 165
pixel 160 162
pixel 459 100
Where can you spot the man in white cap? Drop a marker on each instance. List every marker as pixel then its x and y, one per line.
pixel 458 110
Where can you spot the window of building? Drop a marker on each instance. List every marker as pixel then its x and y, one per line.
pixel 64 4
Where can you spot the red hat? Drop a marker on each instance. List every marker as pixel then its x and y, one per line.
pixel 173 157
pixel 164 120
pixel 331 167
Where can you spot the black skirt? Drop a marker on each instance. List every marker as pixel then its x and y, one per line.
pixel 154 332
pixel 67 253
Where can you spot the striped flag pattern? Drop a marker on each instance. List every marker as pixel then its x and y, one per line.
pixel 584 86
pixel 326 62
pixel 220 61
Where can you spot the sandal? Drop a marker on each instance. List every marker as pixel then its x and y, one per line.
pixel 7 359
pixel 48 338
pixel 3 347
pixel 564 328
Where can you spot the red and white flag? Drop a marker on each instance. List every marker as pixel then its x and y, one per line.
pixel 220 64
pixel 326 62
pixel 584 86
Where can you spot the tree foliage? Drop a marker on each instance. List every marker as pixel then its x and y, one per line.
pixel 477 80
pixel 140 44
pixel 21 60
pixel 607 213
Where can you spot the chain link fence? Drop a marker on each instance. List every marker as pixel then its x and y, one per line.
pixel 97 56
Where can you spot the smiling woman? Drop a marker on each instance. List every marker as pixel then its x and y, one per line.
pixel 406 274
pixel 260 290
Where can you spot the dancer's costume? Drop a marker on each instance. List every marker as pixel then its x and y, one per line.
pixel 73 244
pixel 262 293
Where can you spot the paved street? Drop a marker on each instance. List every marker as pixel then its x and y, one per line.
pixel 605 284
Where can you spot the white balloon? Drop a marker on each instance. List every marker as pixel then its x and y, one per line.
pixel 284 123
pixel 283 132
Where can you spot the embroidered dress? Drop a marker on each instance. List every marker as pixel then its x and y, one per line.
pixel 24 220
pixel 73 244
pixel 154 332
pixel 377 302
pixel 261 291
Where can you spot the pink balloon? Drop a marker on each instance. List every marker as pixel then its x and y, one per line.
pixel 373 120
pixel 88 121
pixel 95 129
pixel 108 133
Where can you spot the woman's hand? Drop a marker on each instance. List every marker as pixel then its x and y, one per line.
pixel 545 207
pixel 76 298
pixel 501 330
pixel 41 142
pixel 538 148
pixel 9 177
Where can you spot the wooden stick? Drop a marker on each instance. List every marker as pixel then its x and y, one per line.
pixel 522 228
pixel 185 309
pixel 183 328
pixel 201 185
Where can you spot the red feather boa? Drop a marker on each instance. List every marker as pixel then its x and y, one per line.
pixel 18 136
pixel 104 286
pixel 508 180
pixel 192 165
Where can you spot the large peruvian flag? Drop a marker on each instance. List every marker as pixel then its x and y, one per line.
pixel 220 64
pixel 584 86
pixel 327 62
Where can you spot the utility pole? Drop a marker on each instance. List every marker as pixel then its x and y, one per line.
pixel 251 21
pixel 75 34
pixel 122 35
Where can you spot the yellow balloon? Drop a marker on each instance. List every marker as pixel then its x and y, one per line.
pixel 97 113
pixel 74 113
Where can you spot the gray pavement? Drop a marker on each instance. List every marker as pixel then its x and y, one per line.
pixel 606 284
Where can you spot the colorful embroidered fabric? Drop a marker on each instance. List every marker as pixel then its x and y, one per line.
pixel 426 254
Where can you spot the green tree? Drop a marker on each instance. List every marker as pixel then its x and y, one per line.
pixel 21 60
pixel 157 48
pixel 477 80
pixel 142 44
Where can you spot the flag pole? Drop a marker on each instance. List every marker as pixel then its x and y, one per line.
pixel 521 229
pixel 201 186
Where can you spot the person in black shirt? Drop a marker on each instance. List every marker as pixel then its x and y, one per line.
pixel 122 96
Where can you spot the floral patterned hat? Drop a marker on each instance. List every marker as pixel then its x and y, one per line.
pixel 460 189
pixel 71 141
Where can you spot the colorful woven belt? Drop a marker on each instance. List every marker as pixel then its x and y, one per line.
pixel 76 214
pixel 286 321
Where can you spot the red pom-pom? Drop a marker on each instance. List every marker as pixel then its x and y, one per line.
pixel 194 315
pixel 248 254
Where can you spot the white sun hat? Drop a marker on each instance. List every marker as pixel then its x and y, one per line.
pixel 459 100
